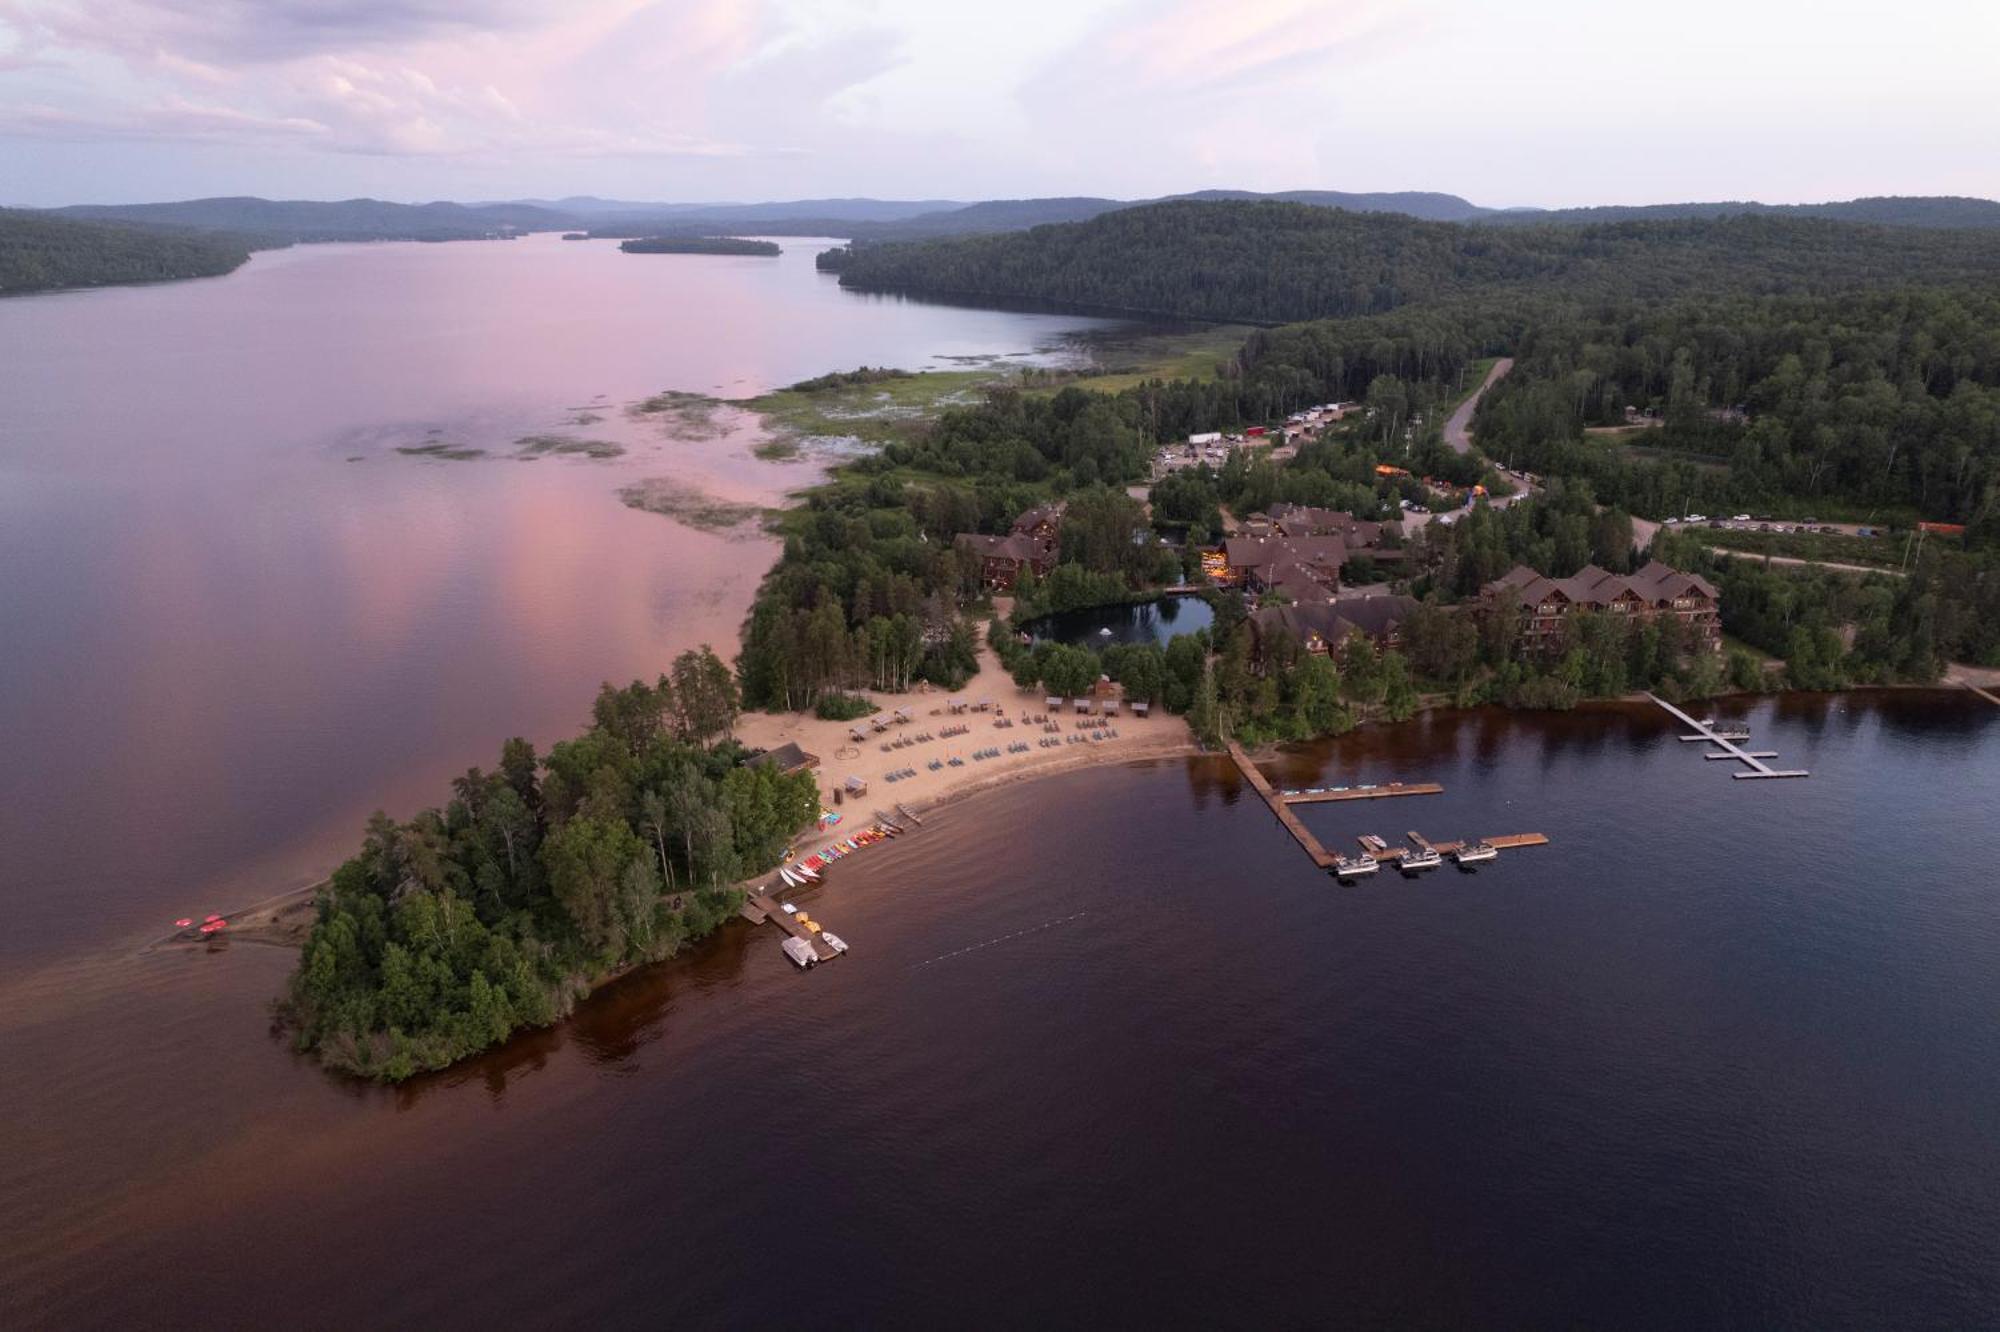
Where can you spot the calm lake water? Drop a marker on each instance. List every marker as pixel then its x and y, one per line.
pixel 1107 1048
pixel 1147 622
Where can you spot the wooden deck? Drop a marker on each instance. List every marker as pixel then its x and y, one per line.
pixel 1361 793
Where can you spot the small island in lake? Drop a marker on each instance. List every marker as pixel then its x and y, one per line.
pixel 699 245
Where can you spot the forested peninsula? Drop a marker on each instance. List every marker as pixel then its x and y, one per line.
pixel 541 877
pixel 40 252
pixel 700 245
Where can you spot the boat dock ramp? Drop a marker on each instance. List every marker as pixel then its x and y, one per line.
pixel 1724 739
pixel 1281 803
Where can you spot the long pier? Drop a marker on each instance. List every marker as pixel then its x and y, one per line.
pixel 1361 793
pixel 1262 786
pixel 1322 858
pixel 1756 765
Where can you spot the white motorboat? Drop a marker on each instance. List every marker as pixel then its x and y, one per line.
pixel 1353 867
pixel 1421 859
pixel 1472 853
pixel 801 953
pixel 833 941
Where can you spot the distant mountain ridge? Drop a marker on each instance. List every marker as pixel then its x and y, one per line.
pixel 866 221
pixel 290 220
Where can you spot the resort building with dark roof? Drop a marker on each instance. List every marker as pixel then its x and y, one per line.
pixel 1543 605
pixel 1001 558
pixel 1325 627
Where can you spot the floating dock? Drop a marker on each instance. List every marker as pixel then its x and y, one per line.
pixel 1703 731
pixel 1361 793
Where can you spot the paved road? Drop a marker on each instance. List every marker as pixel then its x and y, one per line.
pixel 1458 429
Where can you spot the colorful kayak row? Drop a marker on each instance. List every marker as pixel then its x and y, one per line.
pixel 807 870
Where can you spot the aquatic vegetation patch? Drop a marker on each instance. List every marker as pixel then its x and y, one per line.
pixel 536 446
pixel 440 449
pixel 690 415
pixel 686 505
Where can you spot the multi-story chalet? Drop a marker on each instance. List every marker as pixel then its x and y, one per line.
pixel 1326 626
pixel 1303 568
pixel 1655 592
pixel 1003 557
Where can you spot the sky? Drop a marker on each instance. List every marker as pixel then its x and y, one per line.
pixel 1544 102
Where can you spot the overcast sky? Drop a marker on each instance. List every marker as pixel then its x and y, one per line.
pixel 1532 102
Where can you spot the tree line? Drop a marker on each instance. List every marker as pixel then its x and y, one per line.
pixel 40 253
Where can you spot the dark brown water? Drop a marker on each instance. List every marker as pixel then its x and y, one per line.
pixel 1107 1048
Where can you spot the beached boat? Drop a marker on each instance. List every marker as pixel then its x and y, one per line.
pixel 800 952
pixel 1420 859
pixel 1353 867
pixel 833 941
pixel 791 881
pixel 1472 853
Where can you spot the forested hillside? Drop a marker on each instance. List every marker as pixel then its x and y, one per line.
pixel 289 220
pixel 1889 211
pixel 1276 262
pixel 39 253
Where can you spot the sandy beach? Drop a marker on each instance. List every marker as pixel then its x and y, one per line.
pixel 841 756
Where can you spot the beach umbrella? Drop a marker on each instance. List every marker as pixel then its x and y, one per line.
pixel 183 922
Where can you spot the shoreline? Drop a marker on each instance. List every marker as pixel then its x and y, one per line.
pixel 284 919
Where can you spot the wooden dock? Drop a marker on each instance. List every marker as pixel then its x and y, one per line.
pixel 1757 767
pixel 1361 793
pixel 1989 697
pixel 1324 859
pixel 1321 857
pixel 1499 842
pixel 785 921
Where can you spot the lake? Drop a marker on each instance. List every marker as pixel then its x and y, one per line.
pixel 1106 1048
pixel 1144 622
pixel 237 619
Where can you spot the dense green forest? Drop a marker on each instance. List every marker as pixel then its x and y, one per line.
pixel 700 245
pixel 1266 262
pixel 541 877
pixel 39 253
pixel 1885 398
